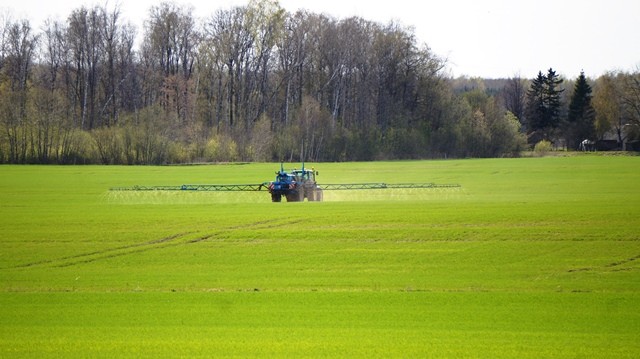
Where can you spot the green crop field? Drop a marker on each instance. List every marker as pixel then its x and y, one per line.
pixel 530 258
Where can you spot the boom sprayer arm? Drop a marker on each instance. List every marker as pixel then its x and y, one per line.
pixel 295 186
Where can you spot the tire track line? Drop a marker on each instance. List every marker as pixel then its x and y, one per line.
pixel 52 262
pixel 165 242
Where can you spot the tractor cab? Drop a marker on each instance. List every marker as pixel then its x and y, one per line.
pixel 304 176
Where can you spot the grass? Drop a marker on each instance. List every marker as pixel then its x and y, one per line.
pixel 534 257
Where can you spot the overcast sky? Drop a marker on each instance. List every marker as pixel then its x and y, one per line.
pixel 485 38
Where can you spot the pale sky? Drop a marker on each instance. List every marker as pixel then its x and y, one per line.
pixel 483 38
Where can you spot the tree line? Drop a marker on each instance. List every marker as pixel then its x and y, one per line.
pixel 255 83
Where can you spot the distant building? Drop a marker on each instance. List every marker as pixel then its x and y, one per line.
pixel 611 140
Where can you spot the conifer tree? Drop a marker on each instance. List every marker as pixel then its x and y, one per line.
pixel 580 123
pixel 553 102
pixel 544 103
pixel 535 109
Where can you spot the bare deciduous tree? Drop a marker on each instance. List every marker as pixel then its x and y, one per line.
pixel 514 95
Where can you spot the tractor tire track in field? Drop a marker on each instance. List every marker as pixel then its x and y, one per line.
pixel 165 242
pixel 622 262
pixel 613 266
pixel 79 258
pixel 256 225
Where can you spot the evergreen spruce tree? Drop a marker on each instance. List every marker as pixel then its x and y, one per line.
pixel 580 123
pixel 544 104
pixel 535 109
pixel 553 102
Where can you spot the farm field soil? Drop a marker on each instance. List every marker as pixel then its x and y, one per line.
pixel 532 258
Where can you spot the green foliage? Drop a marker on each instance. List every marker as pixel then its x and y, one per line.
pixel 488 132
pixel 543 147
pixel 109 143
pixel 78 147
pixel 507 139
pixel 401 143
pixel 531 258
pixel 220 149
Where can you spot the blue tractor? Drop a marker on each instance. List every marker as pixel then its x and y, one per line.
pixel 295 186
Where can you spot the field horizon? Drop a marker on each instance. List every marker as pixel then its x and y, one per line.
pixel 530 258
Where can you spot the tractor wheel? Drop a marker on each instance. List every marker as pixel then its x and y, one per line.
pixel 276 197
pixel 315 195
pixel 297 196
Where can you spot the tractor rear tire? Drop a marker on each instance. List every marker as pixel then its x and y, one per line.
pixel 315 195
pixel 293 197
